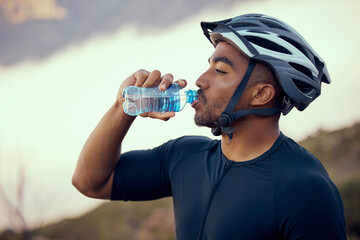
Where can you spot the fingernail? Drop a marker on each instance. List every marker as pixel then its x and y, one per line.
pixel 163 87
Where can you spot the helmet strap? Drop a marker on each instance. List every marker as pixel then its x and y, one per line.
pixel 228 116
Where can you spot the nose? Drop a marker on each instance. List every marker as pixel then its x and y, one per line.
pixel 201 82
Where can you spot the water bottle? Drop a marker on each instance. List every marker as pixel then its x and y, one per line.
pixel 140 100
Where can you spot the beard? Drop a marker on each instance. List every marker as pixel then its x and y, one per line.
pixel 205 120
pixel 211 111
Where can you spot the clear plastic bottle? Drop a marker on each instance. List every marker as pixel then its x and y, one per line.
pixel 140 100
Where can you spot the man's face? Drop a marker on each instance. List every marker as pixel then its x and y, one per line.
pixel 218 83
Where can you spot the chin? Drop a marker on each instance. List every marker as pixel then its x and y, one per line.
pixel 206 120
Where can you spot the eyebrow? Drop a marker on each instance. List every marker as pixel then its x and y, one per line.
pixel 222 59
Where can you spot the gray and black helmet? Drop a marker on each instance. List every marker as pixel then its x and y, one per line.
pixel 297 67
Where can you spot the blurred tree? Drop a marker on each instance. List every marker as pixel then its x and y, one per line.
pixel 13 204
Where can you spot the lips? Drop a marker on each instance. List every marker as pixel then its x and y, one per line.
pixel 195 103
pixel 201 98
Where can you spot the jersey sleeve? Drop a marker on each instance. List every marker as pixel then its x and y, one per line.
pixel 311 208
pixel 143 175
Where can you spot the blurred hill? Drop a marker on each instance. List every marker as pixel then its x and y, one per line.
pixel 130 220
pixel 35 29
pixel 339 151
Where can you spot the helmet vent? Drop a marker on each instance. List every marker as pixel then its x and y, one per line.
pixel 297 45
pixel 302 69
pixel 273 25
pixel 319 65
pixel 243 24
pixel 267 44
pixel 304 87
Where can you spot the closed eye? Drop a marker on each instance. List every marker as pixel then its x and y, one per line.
pixel 220 71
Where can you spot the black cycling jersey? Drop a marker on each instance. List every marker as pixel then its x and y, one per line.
pixel 283 194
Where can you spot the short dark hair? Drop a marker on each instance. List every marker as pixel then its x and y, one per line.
pixel 262 73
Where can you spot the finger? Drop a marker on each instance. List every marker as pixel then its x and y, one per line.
pixel 162 116
pixel 182 82
pixel 152 78
pixel 141 77
pixel 159 115
pixel 166 81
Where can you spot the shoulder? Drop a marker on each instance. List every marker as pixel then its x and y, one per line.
pixel 304 194
pixel 189 149
pixel 293 160
pixel 188 145
pixel 298 169
pixel 197 142
pixel 311 202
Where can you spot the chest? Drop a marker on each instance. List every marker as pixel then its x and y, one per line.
pixel 223 201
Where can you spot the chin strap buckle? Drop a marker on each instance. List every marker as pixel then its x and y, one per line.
pixel 220 125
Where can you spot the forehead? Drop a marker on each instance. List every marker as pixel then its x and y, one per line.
pixel 226 50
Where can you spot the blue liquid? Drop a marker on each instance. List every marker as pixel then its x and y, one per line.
pixel 140 100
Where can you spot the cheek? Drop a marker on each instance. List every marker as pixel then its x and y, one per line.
pixel 226 92
pixel 218 105
pixel 220 94
pixel 226 87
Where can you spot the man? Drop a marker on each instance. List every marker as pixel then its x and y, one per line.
pixel 255 183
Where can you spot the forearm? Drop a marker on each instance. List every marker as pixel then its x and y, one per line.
pixel 99 156
pixel 95 168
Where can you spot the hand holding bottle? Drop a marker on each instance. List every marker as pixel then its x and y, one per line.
pixel 146 79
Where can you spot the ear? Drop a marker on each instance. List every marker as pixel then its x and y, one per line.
pixel 262 94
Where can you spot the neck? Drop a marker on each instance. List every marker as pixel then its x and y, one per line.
pixel 252 137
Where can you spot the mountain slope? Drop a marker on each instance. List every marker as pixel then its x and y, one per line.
pixel 118 220
pixel 339 151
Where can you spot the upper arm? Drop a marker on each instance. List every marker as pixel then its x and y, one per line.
pixel 141 175
pixel 103 192
pixel 145 174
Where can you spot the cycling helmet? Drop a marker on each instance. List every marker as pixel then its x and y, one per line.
pixel 297 67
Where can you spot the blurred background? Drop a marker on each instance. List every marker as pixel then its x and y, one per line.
pixel 62 61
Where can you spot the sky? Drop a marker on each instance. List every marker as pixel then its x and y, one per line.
pixel 48 108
